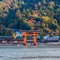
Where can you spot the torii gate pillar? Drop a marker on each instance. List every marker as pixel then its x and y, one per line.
pixel 34 39
pixel 25 38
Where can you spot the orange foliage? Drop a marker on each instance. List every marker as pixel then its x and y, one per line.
pixel 31 21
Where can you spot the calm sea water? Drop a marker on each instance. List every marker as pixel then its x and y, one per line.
pixel 25 53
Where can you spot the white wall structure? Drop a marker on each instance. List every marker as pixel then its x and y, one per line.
pixel 18 34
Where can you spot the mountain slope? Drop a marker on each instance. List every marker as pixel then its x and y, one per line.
pixel 31 15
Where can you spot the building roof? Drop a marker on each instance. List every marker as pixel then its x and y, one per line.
pixel 53 38
pixel 6 37
pixel 10 37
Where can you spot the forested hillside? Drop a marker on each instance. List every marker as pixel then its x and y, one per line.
pixel 43 15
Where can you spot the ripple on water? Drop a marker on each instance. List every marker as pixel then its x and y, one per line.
pixel 29 53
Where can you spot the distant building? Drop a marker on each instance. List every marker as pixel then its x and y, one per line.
pixel 52 39
pixel 18 34
pixel 45 37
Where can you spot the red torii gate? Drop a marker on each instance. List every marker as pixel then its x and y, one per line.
pixel 30 33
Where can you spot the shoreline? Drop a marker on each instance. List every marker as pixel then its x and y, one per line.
pixel 40 45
